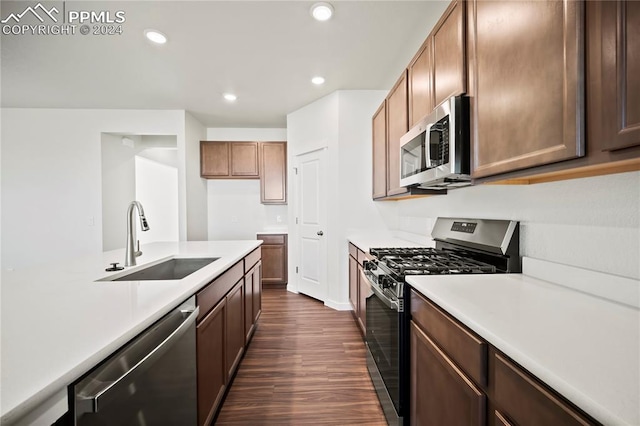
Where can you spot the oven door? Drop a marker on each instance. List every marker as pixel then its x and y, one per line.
pixel 382 336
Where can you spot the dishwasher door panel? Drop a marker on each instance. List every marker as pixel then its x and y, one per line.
pixel 150 381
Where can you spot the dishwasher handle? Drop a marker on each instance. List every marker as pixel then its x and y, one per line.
pixel 100 390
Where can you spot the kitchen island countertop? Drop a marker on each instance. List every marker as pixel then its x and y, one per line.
pixel 58 322
pixel 583 345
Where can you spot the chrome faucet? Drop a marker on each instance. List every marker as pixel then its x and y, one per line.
pixel 131 252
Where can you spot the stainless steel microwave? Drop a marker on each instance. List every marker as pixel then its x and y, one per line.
pixel 435 153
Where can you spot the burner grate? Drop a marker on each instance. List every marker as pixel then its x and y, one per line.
pixel 426 261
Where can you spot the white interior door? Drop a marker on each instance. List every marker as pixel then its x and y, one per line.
pixel 311 219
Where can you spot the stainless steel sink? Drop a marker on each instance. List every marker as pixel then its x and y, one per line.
pixel 172 269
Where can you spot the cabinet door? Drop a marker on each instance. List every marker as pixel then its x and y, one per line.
pixel 212 371
pixel 273 163
pixel 397 126
pixel 380 152
pixel 364 290
pixel 249 323
pixel 257 292
pixel 274 263
pixel 244 160
pixel 353 284
pixel 214 159
pixel 449 63
pixel 421 84
pixel 528 73
pixel 440 394
pixel 620 74
pixel 234 328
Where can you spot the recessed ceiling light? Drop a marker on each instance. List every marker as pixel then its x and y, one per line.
pixel 155 36
pixel 230 96
pixel 322 11
pixel 317 80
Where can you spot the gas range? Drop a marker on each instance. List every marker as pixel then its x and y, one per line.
pixel 462 246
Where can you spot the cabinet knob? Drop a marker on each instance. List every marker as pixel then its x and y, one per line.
pixel 320 233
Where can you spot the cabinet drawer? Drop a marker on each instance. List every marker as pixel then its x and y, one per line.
pixel 464 347
pixel 272 239
pixel 524 401
pixel 353 251
pixel 251 259
pixel 213 293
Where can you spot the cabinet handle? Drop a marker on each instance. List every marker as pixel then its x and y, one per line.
pixel 320 233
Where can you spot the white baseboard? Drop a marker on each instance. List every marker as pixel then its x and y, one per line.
pixel 338 306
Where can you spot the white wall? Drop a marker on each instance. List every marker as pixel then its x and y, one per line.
pixel 120 175
pixel 341 122
pixel 51 177
pixel 592 223
pixel 234 209
pixel 160 207
pixel 195 209
pixel 118 187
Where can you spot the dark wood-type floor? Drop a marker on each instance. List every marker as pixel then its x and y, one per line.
pixel 305 365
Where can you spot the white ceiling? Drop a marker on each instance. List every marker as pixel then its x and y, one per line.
pixel 263 51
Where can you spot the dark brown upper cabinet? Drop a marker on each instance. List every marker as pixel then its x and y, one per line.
pixel 449 58
pixel 439 69
pixel 616 37
pixel 397 126
pixel 229 160
pixel 527 84
pixel 380 152
pixel 273 165
pixel 214 160
pixel 421 83
pixel 266 161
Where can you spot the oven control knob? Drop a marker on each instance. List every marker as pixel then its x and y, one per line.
pixel 386 282
pixel 369 265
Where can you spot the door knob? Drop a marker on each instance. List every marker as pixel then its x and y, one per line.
pixel 320 233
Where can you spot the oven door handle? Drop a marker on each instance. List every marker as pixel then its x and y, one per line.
pixel 391 304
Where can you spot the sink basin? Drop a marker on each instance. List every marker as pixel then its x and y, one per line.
pixel 172 269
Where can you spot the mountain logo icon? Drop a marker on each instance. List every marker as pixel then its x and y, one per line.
pixel 34 11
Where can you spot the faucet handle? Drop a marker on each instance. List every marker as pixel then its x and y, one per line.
pixel 137 252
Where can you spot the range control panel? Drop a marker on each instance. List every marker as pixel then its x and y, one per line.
pixel 466 227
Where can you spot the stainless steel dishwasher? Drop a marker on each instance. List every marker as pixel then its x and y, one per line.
pixel 149 381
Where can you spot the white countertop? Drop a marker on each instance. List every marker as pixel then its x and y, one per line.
pixel 584 346
pixel 58 323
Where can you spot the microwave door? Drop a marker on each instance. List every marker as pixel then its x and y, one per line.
pixel 413 156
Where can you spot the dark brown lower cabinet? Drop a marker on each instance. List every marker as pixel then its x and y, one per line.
pixel 353 283
pixel 440 393
pixel 364 290
pixel 458 378
pixel 249 325
pixel 523 401
pixel 252 301
pixel 257 292
pixel 274 258
pixel 223 330
pixel 234 321
pixel 212 371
